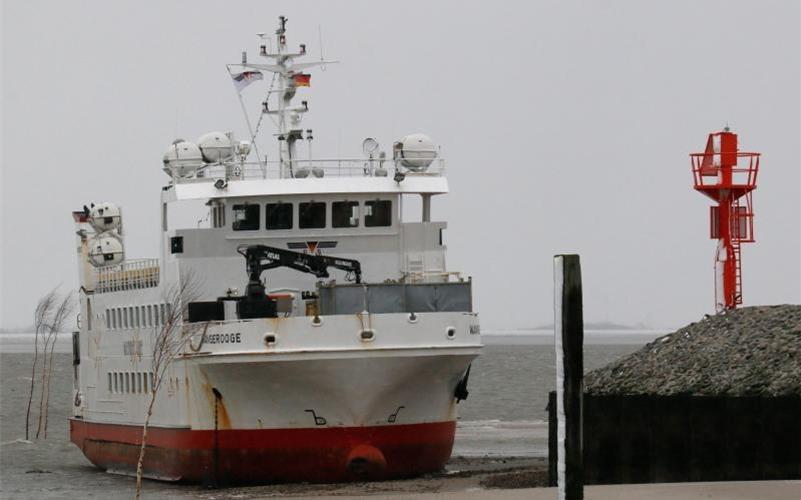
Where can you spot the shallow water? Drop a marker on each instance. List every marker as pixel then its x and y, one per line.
pixel 503 416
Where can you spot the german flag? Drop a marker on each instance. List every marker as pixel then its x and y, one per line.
pixel 302 79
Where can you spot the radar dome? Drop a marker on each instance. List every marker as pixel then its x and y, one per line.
pixel 216 147
pixel 417 151
pixel 104 217
pixel 183 158
pixel 105 250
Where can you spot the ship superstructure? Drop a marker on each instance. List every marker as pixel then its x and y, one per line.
pixel 327 340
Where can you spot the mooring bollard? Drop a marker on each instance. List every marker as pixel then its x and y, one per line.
pixel 569 341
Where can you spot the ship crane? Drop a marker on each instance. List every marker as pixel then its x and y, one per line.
pixel 260 258
pixel 728 176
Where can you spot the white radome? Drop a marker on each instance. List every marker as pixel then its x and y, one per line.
pixel 183 157
pixel 215 147
pixel 105 250
pixel 105 217
pixel 417 152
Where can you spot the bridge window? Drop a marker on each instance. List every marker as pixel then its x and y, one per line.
pixel 279 216
pixel 345 214
pixel 311 215
pixel 378 213
pixel 246 217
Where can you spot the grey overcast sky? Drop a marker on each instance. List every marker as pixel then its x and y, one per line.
pixel 566 127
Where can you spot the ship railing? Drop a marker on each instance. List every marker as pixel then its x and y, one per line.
pixel 432 276
pixel 129 275
pixel 310 169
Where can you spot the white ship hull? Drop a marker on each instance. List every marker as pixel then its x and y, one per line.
pixel 239 410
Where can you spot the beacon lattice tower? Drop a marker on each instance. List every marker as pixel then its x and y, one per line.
pixel 728 176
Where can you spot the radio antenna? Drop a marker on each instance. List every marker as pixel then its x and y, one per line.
pixel 320 38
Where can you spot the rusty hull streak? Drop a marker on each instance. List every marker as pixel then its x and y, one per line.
pixel 188 402
pixel 223 419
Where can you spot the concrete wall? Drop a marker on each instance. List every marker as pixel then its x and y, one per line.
pixel 649 439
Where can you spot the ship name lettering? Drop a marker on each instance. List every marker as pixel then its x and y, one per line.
pixel 224 338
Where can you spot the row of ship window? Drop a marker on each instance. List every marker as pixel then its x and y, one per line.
pixel 149 316
pixel 130 382
pixel 310 215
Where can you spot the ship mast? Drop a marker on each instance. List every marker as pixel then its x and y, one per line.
pixel 289 76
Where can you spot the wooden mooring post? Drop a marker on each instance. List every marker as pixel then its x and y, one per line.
pixel 569 342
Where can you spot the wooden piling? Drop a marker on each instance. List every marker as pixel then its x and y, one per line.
pixel 569 341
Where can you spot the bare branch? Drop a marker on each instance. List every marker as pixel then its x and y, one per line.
pixel 168 342
pixel 41 317
pixel 64 309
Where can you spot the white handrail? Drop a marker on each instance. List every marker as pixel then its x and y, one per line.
pixel 129 275
pixel 318 167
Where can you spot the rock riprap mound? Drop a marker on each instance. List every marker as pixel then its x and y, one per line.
pixel 753 351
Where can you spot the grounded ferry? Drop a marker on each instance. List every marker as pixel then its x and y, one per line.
pixel 318 334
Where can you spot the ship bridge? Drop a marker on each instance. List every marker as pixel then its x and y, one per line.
pixel 356 208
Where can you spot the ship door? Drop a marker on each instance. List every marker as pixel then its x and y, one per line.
pixel 76 358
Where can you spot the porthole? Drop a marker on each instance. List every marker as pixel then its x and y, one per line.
pixel 450 333
pixel 367 335
pixel 270 339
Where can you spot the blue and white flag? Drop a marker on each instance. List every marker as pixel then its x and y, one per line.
pixel 242 80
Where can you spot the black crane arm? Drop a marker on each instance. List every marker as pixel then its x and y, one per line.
pixel 259 258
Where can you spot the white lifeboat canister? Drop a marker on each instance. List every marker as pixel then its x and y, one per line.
pixel 417 151
pixel 105 250
pixel 216 147
pixel 182 159
pixel 105 217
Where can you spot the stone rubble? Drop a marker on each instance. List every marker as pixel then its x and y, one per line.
pixel 752 351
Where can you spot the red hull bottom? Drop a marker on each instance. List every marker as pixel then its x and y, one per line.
pixel 326 454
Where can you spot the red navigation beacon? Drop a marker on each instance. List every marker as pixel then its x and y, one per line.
pixel 728 176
